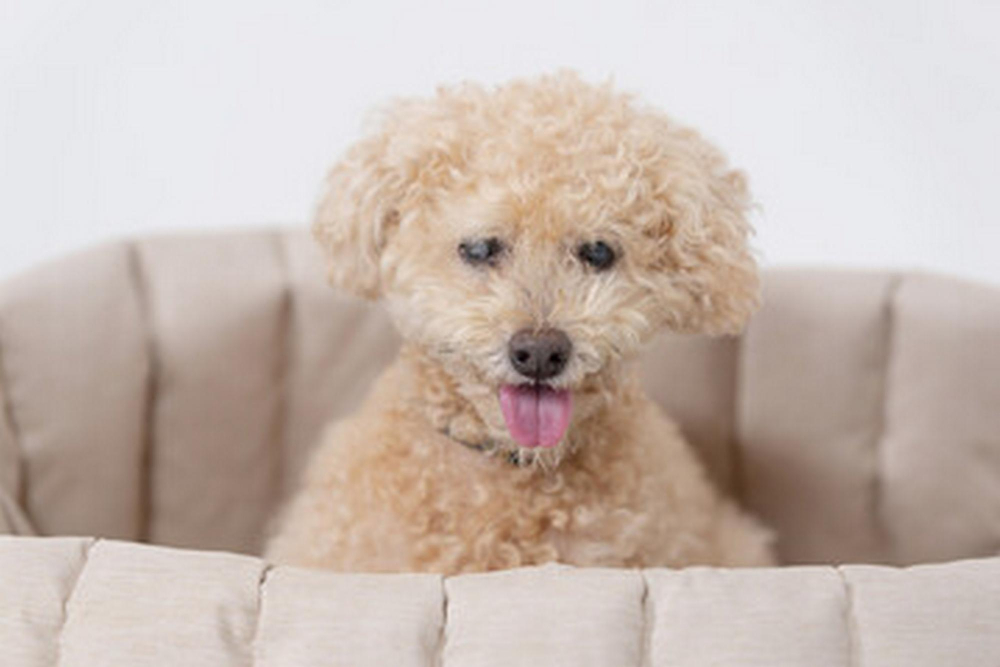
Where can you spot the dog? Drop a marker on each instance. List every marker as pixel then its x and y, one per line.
pixel 527 239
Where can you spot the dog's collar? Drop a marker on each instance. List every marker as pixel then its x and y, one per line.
pixel 488 447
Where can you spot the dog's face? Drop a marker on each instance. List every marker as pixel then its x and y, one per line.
pixel 533 237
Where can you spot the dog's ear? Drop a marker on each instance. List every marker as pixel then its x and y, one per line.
pixel 386 180
pixel 357 213
pixel 702 239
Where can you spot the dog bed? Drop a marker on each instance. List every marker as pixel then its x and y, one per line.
pixel 167 390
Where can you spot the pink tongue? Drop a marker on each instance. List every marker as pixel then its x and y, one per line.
pixel 536 416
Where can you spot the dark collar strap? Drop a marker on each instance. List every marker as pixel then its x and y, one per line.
pixel 489 448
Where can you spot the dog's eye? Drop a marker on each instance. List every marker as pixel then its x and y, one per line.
pixel 481 251
pixel 597 255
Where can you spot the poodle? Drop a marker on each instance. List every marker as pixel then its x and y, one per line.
pixel 526 239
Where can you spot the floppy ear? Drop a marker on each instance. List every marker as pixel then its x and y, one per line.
pixel 389 180
pixel 703 238
pixel 357 213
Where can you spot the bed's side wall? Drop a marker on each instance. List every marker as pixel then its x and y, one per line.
pixel 170 390
pixel 79 602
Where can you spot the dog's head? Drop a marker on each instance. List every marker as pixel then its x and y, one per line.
pixel 531 237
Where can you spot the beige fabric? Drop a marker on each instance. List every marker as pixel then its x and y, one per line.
pixel 10 456
pixel 553 615
pixel 12 519
pixel 812 380
pixel 168 390
pixel 694 378
pixel 37 577
pixel 318 618
pixel 74 369
pixel 78 602
pixel 164 607
pixel 218 337
pixel 940 456
pixel 337 346
pixel 914 616
pixel 704 616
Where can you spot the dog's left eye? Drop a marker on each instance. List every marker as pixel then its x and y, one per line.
pixel 481 251
pixel 597 255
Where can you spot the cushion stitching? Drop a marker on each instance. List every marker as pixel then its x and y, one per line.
pixel 282 369
pixel 85 561
pixel 254 636
pixel 438 658
pixel 646 636
pixel 20 490
pixel 878 444
pixel 850 620
pixel 139 279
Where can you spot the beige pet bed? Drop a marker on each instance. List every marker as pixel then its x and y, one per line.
pixel 167 391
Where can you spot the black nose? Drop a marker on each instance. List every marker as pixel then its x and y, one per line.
pixel 539 355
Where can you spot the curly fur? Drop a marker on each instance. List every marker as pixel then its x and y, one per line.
pixel 543 164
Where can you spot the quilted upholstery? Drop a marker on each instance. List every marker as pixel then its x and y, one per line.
pixel 167 390
pixel 98 603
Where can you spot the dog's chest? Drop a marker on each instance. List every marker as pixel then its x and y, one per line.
pixel 489 514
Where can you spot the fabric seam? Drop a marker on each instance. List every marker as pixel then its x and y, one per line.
pixel 261 587
pixel 881 428
pixel 138 277
pixel 286 339
pixel 850 620
pixel 20 490
pixel 438 658
pixel 646 636
pixel 69 599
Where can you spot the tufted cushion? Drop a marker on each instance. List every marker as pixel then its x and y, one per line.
pixel 167 390
pixel 90 603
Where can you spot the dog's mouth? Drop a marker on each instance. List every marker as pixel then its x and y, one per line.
pixel 537 415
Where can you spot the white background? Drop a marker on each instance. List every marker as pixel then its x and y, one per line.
pixel 869 129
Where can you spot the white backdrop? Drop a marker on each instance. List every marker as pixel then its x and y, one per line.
pixel 869 129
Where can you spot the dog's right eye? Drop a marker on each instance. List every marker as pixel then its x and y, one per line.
pixel 479 252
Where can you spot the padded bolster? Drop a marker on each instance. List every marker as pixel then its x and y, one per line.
pixel 812 380
pixel 940 456
pixel 169 390
pixel 217 338
pixel 74 369
pixel 867 417
pixel 71 601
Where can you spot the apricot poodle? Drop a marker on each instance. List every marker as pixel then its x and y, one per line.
pixel 527 240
